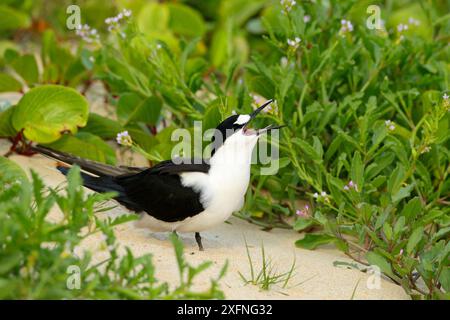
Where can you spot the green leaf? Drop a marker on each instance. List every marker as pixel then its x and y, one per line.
pixel 377 260
pixel 402 193
pixel 153 17
pixel 414 239
pixel 312 241
pixel 185 21
pixel 357 171
pixel 9 83
pixel 147 111
pixel 85 145
pixel 9 261
pixel 412 209
pixel 27 68
pixel 6 128
pixel 103 127
pixel 444 279
pixel 11 19
pixel 302 224
pixel 46 112
pixel 10 172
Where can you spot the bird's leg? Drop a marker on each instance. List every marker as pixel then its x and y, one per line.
pixel 198 238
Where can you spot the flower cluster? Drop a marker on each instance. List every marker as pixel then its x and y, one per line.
pixel 303 213
pixel 287 5
pixel 323 195
pixel 114 22
pixel 390 125
pixel 413 21
pixel 351 185
pixel 346 27
pixel 124 139
pixel 294 43
pixel 87 34
pixel 402 27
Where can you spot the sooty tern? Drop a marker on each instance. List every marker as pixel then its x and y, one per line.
pixel 181 196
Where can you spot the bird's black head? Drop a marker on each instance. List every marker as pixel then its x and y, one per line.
pixel 238 123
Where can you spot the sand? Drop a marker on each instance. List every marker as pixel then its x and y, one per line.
pixel 315 275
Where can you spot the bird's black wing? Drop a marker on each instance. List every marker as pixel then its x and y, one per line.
pixel 156 190
pixel 159 191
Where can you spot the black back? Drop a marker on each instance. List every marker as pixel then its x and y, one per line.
pixel 157 190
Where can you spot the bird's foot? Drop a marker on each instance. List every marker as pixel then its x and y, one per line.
pixel 198 238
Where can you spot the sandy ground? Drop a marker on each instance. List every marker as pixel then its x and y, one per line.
pixel 315 276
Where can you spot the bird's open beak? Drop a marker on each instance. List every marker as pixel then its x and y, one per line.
pixel 258 132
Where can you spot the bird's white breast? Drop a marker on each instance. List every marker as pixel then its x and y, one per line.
pixel 222 189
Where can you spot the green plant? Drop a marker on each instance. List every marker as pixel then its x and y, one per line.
pixel 268 275
pixel 38 254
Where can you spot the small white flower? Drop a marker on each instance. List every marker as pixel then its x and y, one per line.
pixel 402 27
pixel 294 43
pixel 346 27
pixel 158 46
pixel 323 194
pixel 445 96
pixel 413 21
pixel 306 19
pixel 316 195
pixel 126 12
pixel 284 62
pixel 287 5
pixel 123 138
pixel 346 188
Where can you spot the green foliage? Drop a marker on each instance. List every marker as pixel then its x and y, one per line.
pixel 268 274
pixel 39 257
pixel 45 112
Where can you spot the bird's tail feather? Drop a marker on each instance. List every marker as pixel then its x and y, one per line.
pixel 97 168
pixel 103 184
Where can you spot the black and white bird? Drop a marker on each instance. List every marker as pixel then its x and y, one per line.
pixel 190 196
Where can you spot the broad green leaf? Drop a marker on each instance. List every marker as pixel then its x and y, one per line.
pixel 312 241
pixel 302 224
pixel 46 112
pixel 9 83
pixel 85 145
pixel 153 17
pixel 102 127
pixel 11 19
pixel 26 67
pixel 185 21
pixel 147 111
pixel 414 239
